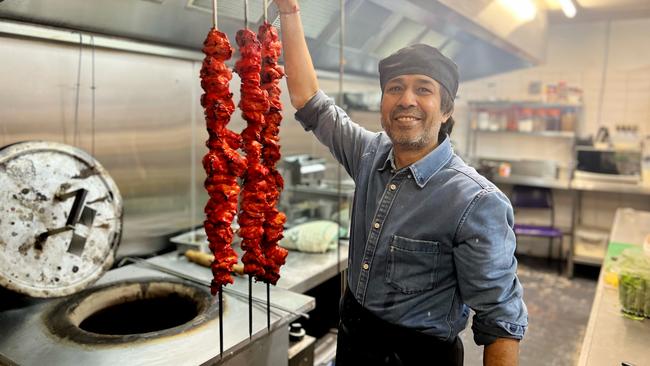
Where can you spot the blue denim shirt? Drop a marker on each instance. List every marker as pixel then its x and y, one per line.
pixel 428 240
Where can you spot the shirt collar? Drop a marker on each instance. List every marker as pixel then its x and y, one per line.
pixel 426 167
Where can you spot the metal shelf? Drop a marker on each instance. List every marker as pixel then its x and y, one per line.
pixel 562 134
pixel 592 261
pixel 500 104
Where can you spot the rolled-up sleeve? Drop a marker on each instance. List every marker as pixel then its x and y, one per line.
pixel 486 269
pixel 334 129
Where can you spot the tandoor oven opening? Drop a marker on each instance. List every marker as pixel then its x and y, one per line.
pixel 131 311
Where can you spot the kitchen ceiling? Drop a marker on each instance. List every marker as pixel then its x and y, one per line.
pixel 373 29
pixel 594 10
pixel 614 3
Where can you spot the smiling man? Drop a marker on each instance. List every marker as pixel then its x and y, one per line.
pixel 430 237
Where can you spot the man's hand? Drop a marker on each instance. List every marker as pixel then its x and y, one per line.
pixel 285 6
pixel 502 352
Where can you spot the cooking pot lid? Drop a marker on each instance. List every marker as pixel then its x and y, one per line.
pixel 60 219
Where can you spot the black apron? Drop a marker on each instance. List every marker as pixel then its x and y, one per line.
pixel 365 339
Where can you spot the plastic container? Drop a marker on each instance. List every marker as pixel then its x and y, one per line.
pixel 539 120
pixel 645 161
pixel 483 120
pixel 553 119
pixel 634 281
pixel 526 120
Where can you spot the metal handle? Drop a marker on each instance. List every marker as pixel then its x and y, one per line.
pixel 77 205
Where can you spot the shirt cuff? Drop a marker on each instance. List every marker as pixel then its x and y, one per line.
pixel 308 114
pixel 485 334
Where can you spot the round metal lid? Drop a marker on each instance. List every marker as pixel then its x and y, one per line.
pixel 60 219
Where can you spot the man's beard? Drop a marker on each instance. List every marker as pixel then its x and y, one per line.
pixel 404 141
pixel 408 142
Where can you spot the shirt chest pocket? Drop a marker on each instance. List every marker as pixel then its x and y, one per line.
pixel 412 264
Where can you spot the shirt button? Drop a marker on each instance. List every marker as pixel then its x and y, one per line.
pixel 410 176
pixel 366 266
pixel 392 187
pixel 376 225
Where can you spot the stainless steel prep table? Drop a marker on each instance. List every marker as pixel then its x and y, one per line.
pixel 304 271
pixel 612 338
pixel 26 341
pixel 576 187
pixel 534 182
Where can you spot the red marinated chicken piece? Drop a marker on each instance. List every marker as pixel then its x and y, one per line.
pixel 222 163
pixel 274 220
pixel 253 104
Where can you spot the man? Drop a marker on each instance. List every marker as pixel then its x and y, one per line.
pixel 430 237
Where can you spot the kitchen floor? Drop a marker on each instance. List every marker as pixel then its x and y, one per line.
pixel 558 311
pixel 558 314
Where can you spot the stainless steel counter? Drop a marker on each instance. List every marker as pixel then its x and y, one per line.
pixel 611 187
pixel 576 184
pixel 630 226
pixel 611 338
pixel 577 187
pixel 534 181
pixel 26 341
pixel 304 271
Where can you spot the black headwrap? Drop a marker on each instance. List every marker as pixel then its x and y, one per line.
pixel 420 59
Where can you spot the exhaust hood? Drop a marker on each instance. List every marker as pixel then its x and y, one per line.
pixel 481 36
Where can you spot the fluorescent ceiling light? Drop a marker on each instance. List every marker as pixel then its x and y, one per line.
pixel 524 10
pixel 568 8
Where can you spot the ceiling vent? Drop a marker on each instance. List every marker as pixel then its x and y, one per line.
pixel 231 9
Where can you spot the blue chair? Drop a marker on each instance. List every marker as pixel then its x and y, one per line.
pixel 537 199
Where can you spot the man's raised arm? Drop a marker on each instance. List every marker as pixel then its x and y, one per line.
pixel 301 76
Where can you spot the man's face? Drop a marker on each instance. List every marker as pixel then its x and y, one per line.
pixel 410 112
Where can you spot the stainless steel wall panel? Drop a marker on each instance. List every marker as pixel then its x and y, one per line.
pixel 142 124
pixel 149 128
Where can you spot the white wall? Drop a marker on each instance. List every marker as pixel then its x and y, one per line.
pixel 612 59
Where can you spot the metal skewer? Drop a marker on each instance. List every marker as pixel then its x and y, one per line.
pixel 246 14
pixel 268 287
pixel 266 13
pixel 220 293
pixel 268 307
pixel 250 277
pixel 250 306
pixel 221 321
pixel 214 14
pixel 228 291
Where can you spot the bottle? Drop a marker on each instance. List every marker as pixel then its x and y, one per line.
pixel 574 95
pixel 494 121
pixel 526 120
pixel 539 120
pixel 551 93
pixel 562 92
pixel 511 119
pixel 553 119
pixel 503 120
pixel 483 119
pixel 645 161
pixel 568 120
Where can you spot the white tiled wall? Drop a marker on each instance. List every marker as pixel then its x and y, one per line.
pixel 613 59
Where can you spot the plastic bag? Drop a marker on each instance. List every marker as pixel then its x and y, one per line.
pixel 312 237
